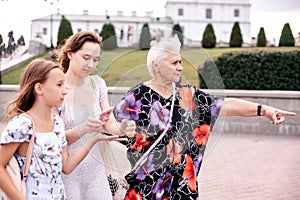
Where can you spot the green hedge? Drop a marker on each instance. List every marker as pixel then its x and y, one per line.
pixel 252 71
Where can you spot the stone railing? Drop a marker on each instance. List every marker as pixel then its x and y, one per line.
pixel 287 100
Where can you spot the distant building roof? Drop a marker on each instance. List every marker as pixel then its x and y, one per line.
pixel 112 18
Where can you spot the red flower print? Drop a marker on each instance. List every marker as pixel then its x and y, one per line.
pixel 189 173
pixel 132 195
pixel 140 141
pixel 201 134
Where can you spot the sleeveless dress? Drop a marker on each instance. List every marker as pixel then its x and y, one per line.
pixel 44 181
pixel 170 170
pixel 88 181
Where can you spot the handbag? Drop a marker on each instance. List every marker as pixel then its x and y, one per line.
pixel 14 171
pixel 116 167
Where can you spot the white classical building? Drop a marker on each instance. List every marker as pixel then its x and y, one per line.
pixel 192 15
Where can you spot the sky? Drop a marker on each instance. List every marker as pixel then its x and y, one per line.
pixel 16 15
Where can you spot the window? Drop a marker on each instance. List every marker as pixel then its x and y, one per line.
pixel 180 12
pixel 208 13
pixel 44 31
pixel 236 12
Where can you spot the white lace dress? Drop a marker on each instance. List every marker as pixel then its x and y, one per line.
pixel 88 181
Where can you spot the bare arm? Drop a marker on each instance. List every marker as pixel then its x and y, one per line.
pixel 71 161
pixel 239 107
pixel 6 184
pixel 126 127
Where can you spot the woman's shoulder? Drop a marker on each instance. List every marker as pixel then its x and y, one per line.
pixel 97 79
pixel 18 129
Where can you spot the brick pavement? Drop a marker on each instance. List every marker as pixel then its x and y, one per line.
pixel 252 167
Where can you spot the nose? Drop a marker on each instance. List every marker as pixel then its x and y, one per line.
pixel 65 91
pixel 179 67
pixel 90 63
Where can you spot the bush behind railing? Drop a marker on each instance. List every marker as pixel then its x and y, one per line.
pixel 252 71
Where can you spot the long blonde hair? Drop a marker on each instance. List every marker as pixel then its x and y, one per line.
pixel 36 72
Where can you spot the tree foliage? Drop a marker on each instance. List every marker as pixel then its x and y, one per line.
pixel 64 30
pixel 261 38
pixel 236 38
pixel 1 39
pixel 286 37
pixel 145 38
pixel 109 37
pixel 176 29
pixel 209 37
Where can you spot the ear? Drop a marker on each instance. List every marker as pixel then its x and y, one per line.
pixel 38 88
pixel 70 54
pixel 155 66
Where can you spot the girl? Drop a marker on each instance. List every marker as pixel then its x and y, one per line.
pixel 41 89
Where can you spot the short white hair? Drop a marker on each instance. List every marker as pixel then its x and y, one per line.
pixel 161 50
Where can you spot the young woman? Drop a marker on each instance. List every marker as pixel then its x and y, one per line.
pixel 87 98
pixel 42 87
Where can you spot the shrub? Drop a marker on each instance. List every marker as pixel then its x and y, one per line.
pixel 261 38
pixel 286 37
pixel 236 39
pixel 145 38
pixel 176 29
pixel 209 38
pixel 109 37
pixel 64 31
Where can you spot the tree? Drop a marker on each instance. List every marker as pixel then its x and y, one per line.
pixel 209 38
pixel 109 37
pixel 177 30
pixel 236 38
pixel 145 38
pixel 261 38
pixel 286 37
pixel 64 31
pixel 1 39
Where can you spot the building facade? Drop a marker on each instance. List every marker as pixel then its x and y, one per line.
pixel 192 15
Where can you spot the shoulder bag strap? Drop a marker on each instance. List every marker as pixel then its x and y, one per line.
pixel 29 151
pixel 163 133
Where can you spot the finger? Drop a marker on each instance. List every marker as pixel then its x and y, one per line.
pixel 287 113
pixel 120 140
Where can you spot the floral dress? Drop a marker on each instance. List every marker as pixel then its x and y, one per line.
pixel 170 170
pixel 44 180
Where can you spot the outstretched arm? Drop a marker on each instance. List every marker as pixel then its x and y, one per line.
pixel 239 107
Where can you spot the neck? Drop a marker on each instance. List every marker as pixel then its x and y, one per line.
pixel 74 80
pixel 164 89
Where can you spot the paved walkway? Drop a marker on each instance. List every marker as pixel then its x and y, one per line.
pixel 250 167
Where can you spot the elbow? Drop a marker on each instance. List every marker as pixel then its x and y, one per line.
pixel 66 170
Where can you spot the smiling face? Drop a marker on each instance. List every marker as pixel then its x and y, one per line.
pixel 84 61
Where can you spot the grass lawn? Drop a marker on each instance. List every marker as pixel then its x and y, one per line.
pixel 126 67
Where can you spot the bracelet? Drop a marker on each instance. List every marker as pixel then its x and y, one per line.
pixel 259 110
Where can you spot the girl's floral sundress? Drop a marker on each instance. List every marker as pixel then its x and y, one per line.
pixel 44 180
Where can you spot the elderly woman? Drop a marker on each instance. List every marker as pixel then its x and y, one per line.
pixel 173 125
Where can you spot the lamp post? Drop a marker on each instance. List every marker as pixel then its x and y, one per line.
pixel 51 24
